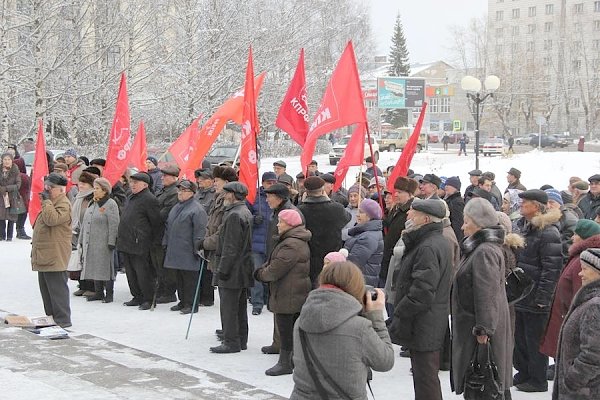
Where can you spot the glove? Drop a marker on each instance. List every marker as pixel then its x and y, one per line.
pixel 45 195
pixel 223 276
pixel 258 219
pixel 111 247
pixel 256 274
pixel 199 245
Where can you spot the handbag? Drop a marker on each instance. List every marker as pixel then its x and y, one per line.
pixel 481 377
pixel 17 206
pixel 75 261
pixel 518 285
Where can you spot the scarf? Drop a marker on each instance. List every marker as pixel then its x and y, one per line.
pixel 493 234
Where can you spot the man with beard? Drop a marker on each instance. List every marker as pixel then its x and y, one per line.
pixel 234 268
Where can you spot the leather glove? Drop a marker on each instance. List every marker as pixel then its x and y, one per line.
pixel 111 247
pixel 44 195
pixel 258 219
pixel 224 277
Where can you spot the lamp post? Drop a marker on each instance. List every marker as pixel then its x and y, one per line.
pixel 472 84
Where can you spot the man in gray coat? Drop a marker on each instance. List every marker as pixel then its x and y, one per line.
pixel 234 268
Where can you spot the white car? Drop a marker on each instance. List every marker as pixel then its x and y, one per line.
pixel 338 149
pixel 492 146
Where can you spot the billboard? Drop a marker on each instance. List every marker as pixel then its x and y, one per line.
pixel 395 92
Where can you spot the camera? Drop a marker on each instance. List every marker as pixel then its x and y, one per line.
pixel 370 291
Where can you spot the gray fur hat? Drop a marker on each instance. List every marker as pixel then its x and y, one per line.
pixel 481 212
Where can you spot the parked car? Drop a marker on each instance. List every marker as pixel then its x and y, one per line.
pixel 397 139
pixel 30 155
pixel 548 141
pixel 491 146
pixel 523 139
pixel 338 149
pixel 221 153
pixel 433 137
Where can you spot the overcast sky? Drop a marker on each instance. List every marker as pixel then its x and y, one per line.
pixel 426 24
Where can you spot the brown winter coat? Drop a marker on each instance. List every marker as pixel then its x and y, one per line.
pixel 213 229
pixel 10 183
pixel 287 271
pixel 51 243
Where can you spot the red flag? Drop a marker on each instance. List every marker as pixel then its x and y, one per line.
pixel 248 172
pixel 293 113
pixel 184 146
pixel 232 109
pixel 119 143
pixel 408 152
pixel 139 151
pixel 354 154
pixel 342 104
pixel 40 170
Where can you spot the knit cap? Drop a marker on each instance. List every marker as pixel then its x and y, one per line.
pixel 591 257
pixel 290 217
pixel 337 256
pixel 554 194
pixel 586 228
pixel 481 212
pixel 371 208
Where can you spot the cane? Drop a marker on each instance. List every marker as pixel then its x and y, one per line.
pixel 195 302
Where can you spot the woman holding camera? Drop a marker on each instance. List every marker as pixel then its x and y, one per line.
pixel 339 336
pixel 288 273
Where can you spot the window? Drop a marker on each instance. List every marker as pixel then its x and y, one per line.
pixel 515 13
pixel 434 105
pixel 515 30
pixel 434 126
pixel 576 65
pixel 531 11
pixel 548 27
pixel 549 9
pixel 547 44
pixel 597 6
pixel 499 15
pixel 445 105
pixel 597 25
pixel 531 28
pixel 530 46
pixel 578 8
pixel 499 32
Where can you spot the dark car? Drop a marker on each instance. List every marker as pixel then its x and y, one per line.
pixel 222 153
pixel 547 141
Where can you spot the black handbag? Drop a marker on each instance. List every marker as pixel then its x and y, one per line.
pixel 481 377
pixel 518 285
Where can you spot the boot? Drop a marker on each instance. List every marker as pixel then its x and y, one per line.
pixel 283 366
pixel 21 234
pixel 110 288
pixel 99 291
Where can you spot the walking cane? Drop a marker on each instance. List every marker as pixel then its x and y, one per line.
pixel 195 302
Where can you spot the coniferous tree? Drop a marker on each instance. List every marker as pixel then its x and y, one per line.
pixel 399 67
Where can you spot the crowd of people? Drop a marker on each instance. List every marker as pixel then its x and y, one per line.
pixel 330 264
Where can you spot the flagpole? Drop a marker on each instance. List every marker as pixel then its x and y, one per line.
pixel 380 198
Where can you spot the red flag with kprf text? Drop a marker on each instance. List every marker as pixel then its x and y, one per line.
pixel 354 154
pixel 342 104
pixel 119 144
pixel 248 173
pixel 40 170
pixel 139 151
pixel 293 113
pixel 408 152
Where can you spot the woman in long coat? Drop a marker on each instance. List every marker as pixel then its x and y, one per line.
pixel 97 239
pixel 288 273
pixel 479 305
pixel 10 182
pixel 81 201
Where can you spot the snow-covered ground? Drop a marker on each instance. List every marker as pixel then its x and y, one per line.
pixel 162 332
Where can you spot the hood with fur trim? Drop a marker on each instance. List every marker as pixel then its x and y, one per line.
pixel 551 217
pixel 514 240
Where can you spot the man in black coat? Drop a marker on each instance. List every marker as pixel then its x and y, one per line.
pixel 234 268
pixel 140 223
pixel 206 188
pixel 590 203
pixel 422 286
pixel 542 260
pixel 474 179
pixel 325 220
pixel 456 205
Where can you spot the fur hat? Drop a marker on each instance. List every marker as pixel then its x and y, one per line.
pixel 313 183
pixel 481 212
pixel 55 179
pixel 104 184
pixel 586 228
pixel 98 161
pixel 591 257
pixel 61 167
pixel 93 171
pixel 290 217
pixel 406 184
pixel 225 173
pixel 86 177
pixel 371 208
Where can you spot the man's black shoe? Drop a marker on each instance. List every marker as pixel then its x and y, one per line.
pixel 132 302
pixel 222 349
pixel 256 311
pixel 405 353
pixel 145 306
pixel 166 299
pixel 177 307
pixel 529 388
pixel 188 310
pixel 218 332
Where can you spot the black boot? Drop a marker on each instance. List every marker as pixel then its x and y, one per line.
pixel 110 288
pixel 21 234
pixel 283 366
pixel 99 291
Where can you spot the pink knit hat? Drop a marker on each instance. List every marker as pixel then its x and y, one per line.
pixel 290 217
pixel 337 256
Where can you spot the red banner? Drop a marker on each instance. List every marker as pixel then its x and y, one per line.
pixel 408 152
pixel 232 110
pixel 184 146
pixel 248 172
pixel 39 171
pixel 119 143
pixel 139 151
pixel 354 154
pixel 342 104
pixel 293 113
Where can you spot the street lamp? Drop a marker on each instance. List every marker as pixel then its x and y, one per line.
pixel 472 84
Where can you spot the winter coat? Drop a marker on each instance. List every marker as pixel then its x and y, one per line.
pixel 516 185
pixel 186 226
pixel 422 286
pixel 260 230
pixel 156 176
pixel 120 194
pixel 51 242
pixel 567 223
pixel 287 272
pixel 325 220
pixel 566 288
pixel 365 249
pixel 394 222
pixel 97 238
pixel 577 375
pixel 347 342
pixel 167 198
pixel 234 248
pixel 468 193
pixel 340 196
pixel 273 235
pixel 213 230
pixel 588 205
pixel 370 172
pixel 480 307
pixel 496 194
pixel 140 223
pixel 454 246
pixel 206 197
pixel 541 259
pixel 456 205
pixel 10 183
pixel 353 211
pixel 25 190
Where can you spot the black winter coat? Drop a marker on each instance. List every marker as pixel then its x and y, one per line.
pixel 588 205
pixel 456 205
pixel 394 225
pixel 325 220
pixel 206 197
pixel 272 233
pixel 167 198
pixel 541 259
pixel 140 223
pixel 422 287
pixel 234 248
